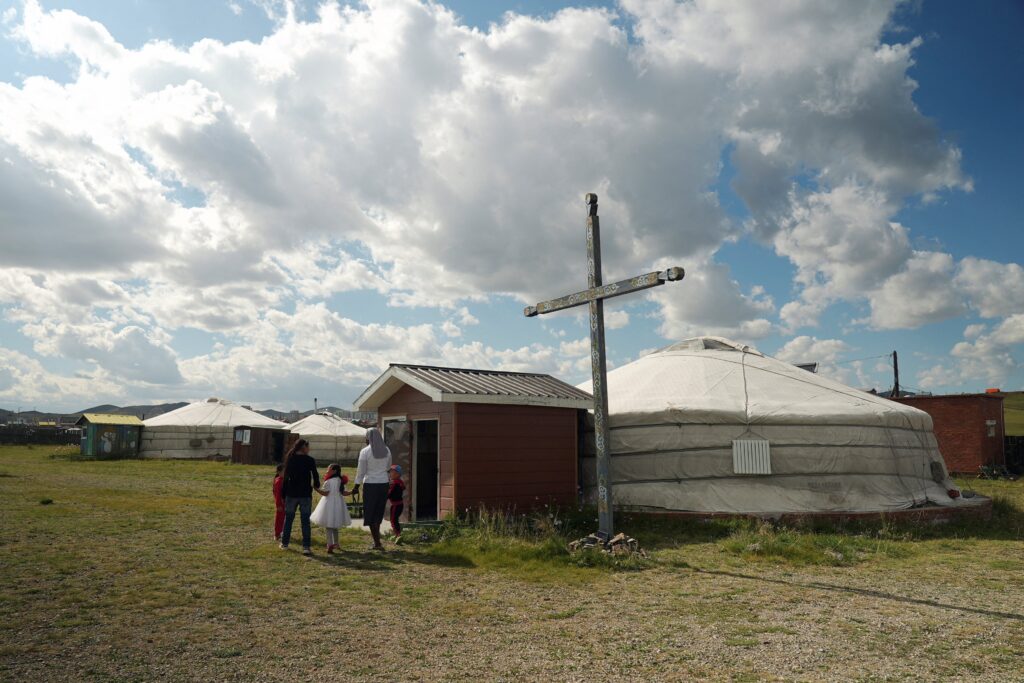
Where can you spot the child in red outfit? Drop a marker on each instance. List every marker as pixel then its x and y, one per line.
pixel 279 502
pixel 396 493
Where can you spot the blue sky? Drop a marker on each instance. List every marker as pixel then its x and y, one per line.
pixel 273 299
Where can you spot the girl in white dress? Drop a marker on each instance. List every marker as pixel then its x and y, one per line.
pixel 332 512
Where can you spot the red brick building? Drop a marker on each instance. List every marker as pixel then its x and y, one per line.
pixel 968 427
pixel 471 438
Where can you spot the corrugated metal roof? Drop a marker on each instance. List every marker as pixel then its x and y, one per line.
pixel 107 419
pixel 494 382
pixel 462 385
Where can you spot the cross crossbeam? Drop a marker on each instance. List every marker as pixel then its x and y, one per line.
pixel 633 284
pixel 594 296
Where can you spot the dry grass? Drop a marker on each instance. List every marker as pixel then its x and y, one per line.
pixel 166 571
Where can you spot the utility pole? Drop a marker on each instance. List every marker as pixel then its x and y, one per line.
pixel 896 375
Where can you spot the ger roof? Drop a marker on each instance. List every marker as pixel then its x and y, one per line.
pixel 462 385
pixel 715 381
pixel 213 412
pixel 108 419
pixel 326 424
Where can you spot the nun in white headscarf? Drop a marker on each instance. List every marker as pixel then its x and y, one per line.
pixel 372 476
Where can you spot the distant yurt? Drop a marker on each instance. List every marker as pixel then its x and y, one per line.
pixel 331 438
pixel 709 425
pixel 199 430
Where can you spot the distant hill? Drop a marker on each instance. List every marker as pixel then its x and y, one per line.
pixel 290 416
pixel 140 412
pixel 147 411
pixel 105 408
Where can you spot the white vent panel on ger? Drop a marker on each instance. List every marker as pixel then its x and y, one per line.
pixel 751 456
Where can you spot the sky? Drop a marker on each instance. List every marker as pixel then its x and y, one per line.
pixel 270 201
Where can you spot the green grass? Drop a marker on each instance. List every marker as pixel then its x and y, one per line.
pixel 142 570
pixel 1013 413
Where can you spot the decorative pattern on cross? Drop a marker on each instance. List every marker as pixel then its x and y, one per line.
pixel 594 295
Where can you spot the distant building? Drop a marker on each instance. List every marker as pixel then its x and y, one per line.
pixel 969 428
pixel 110 436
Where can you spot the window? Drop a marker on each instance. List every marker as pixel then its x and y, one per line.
pixel 991 424
pixel 247 437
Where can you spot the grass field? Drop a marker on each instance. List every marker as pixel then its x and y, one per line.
pixel 132 570
pixel 1013 411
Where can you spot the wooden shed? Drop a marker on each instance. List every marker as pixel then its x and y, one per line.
pixel 110 436
pixel 472 438
pixel 258 445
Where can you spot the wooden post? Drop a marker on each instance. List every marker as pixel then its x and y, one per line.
pixel 599 372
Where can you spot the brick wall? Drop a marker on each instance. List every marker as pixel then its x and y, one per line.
pixel 966 440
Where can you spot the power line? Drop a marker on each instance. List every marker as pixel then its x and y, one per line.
pixel 854 360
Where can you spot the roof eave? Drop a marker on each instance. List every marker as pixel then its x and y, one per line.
pixel 543 401
pixel 388 384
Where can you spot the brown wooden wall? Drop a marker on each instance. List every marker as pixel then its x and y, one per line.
pixel 259 451
pixel 515 456
pixel 415 405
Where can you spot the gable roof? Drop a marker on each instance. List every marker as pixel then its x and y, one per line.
pixel 461 385
pixel 108 419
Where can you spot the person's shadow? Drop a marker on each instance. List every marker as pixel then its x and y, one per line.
pixel 362 560
pixel 376 561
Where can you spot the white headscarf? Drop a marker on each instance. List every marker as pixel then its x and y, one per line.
pixel 376 442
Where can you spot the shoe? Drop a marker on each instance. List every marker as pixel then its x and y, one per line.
pixel 330 550
pixel 283 546
pixel 307 551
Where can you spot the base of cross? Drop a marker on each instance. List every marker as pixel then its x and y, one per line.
pixel 620 544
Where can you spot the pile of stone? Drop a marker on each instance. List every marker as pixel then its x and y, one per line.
pixel 621 544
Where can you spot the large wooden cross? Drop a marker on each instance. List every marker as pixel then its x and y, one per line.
pixel 595 294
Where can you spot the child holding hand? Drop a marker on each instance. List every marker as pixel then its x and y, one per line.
pixel 332 512
pixel 396 495
pixel 279 502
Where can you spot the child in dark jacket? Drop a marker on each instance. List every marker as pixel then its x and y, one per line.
pixel 279 502
pixel 396 493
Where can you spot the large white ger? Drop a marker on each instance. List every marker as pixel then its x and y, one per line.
pixel 330 437
pixel 710 425
pixel 199 430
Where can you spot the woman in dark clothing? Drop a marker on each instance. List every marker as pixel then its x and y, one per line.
pixel 300 480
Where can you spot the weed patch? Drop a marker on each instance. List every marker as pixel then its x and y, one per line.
pixel 799 547
pixel 532 546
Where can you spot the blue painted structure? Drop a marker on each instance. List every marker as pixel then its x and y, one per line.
pixel 110 436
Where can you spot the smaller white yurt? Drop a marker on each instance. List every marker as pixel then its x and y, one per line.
pixel 331 438
pixel 199 430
